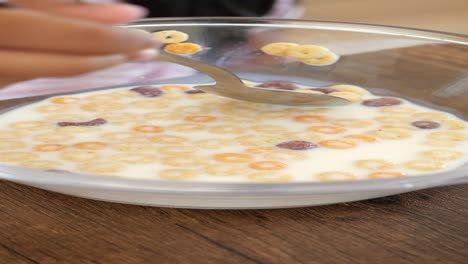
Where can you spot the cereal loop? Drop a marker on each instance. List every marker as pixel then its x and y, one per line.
pixel 174 87
pixel 375 164
pixel 134 158
pixel 50 147
pixel 225 170
pixel 362 137
pixel 186 48
pixel 200 119
pixel 311 119
pixel 148 129
pixel 268 165
pixel 278 48
pixel 442 154
pixel 17 156
pixel 178 174
pixel 269 177
pixel 80 156
pixel 338 144
pixel 91 145
pixel 65 100
pixel 448 136
pixel 233 157
pixel 425 165
pixel 11 145
pixel 327 129
pixel 386 174
pixel 101 167
pixel 336 176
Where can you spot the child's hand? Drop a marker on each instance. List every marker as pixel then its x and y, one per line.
pixel 55 38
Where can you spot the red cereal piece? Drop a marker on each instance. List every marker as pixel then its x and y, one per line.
pixel 325 90
pixel 278 85
pixel 297 145
pixel 95 122
pixel 148 91
pixel 380 102
pixel 194 91
pixel 426 124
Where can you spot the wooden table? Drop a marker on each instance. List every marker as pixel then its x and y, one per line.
pixel 428 226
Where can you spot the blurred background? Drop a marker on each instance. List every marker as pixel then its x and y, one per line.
pixel 441 15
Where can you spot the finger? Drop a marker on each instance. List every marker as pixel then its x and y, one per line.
pixel 38 31
pixel 107 13
pixel 28 65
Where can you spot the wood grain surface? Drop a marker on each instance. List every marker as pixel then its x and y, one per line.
pixel 428 226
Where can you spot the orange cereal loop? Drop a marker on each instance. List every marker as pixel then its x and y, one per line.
pixel 327 129
pixel 11 145
pixel 17 156
pixel 185 48
pixel 386 174
pixel 336 176
pixel 148 129
pixel 338 144
pixel 269 177
pixel 233 157
pixel 65 100
pixel 200 119
pixel 178 174
pixel 31 125
pixel 91 145
pixel 375 164
pixel 50 147
pixel 311 119
pixel 362 137
pixel 268 165
pixel 173 87
pixel 259 150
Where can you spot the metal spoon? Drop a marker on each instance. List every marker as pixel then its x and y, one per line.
pixel 229 85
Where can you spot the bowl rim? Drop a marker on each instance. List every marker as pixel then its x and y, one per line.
pixel 43 178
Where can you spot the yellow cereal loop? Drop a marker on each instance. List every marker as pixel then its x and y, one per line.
pixel 448 136
pixel 185 161
pixel 393 134
pixel 430 116
pixel 178 174
pixel 168 139
pixel 102 107
pixel 328 59
pixel 186 48
pixel 31 125
pixel 336 176
pixel 41 164
pixel 441 143
pixel 233 157
pixel 186 127
pixel 352 97
pixel 11 145
pixel 397 126
pixel 133 147
pixel 386 174
pixel 268 165
pixel 55 108
pixel 285 155
pixel 455 124
pixel 227 129
pixel 257 140
pixel 392 119
pixel 307 52
pixel 101 167
pixel 278 48
pixel 442 154
pixel 11 134
pixel 226 170
pixel 350 89
pixel 362 137
pixel 352 123
pixel 148 129
pixel 375 164
pixel 134 158
pixel 338 144
pixel 65 100
pixel 171 36
pixel 177 149
pixel 17 156
pixel 272 177
pixel 398 110
pixel 215 143
pixel 79 155
pixel 425 165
